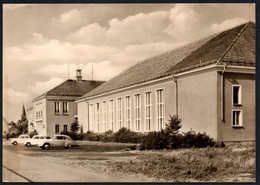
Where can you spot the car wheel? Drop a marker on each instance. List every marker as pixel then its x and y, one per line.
pixel 28 144
pixel 69 146
pixel 15 143
pixel 46 146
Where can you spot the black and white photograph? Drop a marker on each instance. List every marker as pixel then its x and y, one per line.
pixel 143 92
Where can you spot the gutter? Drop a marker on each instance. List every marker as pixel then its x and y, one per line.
pixel 222 92
pixel 176 95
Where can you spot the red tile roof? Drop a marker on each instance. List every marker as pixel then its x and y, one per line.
pixel 236 45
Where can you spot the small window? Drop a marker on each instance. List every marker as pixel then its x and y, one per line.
pixel 65 128
pixel 237 118
pixel 57 107
pixel 65 107
pixel 36 137
pixel 237 94
pixel 41 137
pixel 57 129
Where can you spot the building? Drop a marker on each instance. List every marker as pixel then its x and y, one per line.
pixel 209 83
pixel 30 120
pixel 55 110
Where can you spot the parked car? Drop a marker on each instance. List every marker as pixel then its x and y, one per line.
pixel 34 141
pixel 20 139
pixel 57 141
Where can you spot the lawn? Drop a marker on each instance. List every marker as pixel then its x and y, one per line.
pixel 187 165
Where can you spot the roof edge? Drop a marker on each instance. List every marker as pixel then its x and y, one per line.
pixel 233 42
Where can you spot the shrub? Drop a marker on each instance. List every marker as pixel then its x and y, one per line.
pixel 197 140
pixel 154 140
pixel 124 135
pixel 108 136
pixel 170 138
pixel 91 136
pixel 73 135
pixel 31 134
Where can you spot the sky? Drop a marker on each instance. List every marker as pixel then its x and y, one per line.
pixel 44 44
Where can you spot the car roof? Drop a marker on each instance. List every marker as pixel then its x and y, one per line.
pixel 61 135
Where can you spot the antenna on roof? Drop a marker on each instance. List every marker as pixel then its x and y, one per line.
pixel 78 62
pixel 92 71
pixel 68 71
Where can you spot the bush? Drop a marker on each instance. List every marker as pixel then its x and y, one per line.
pixel 154 140
pixel 124 135
pixel 91 136
pixel 108 136
pixel 170 138
pixel 31 134
pixel 73 135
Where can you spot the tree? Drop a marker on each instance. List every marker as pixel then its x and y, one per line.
pixel 75 126
pixel 173 126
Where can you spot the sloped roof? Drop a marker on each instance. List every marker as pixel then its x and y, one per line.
pixel 73 88
pixel 233 45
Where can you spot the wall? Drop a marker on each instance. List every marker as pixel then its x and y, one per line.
pixel 197 101
pixel 83 115
pixel 59 119
pixel 169 103
pixel 226 132
pixel 39 121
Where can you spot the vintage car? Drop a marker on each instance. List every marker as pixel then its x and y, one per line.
pixel 20 139
pixel 34 141
pixel 57 141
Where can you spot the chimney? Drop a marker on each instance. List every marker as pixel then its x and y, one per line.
pixel 79 77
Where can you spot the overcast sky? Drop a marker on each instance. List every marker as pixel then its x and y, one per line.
pixel 39 41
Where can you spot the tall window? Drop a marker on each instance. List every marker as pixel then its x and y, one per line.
pixel 160 108
pixel 237 94
pixel 57 129
pixel 65 107
pixel 127 111
pixel 65 128
pixel 97 116
pixel 104 114
pixel 119 113
pixel 148 111
pixel 91 117
pixel 57 107
pixel 137 113
pixel 236 117
pixel 111 114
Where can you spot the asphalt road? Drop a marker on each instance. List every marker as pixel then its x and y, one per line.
pixel 18 167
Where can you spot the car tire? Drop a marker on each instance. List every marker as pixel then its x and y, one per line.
pixel 15 143
pixel 28 144
pixel 69 146
pixel 46 146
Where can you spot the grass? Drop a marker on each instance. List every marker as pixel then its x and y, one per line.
pixel 204 164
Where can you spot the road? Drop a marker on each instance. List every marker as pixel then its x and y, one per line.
pixel 24 168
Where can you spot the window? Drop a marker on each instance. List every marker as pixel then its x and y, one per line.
pixel 91 117
pixel 237 94
pixel 57 107
pixel 111 114
pixel 160 108
pixel 65 107
pixel 148 111
pixel 65 128
pixel 236 118
pixel 57 129
pixel 119 113
pixel 104 114
pixel 137 113
pixel 97 116
pixel 127 111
